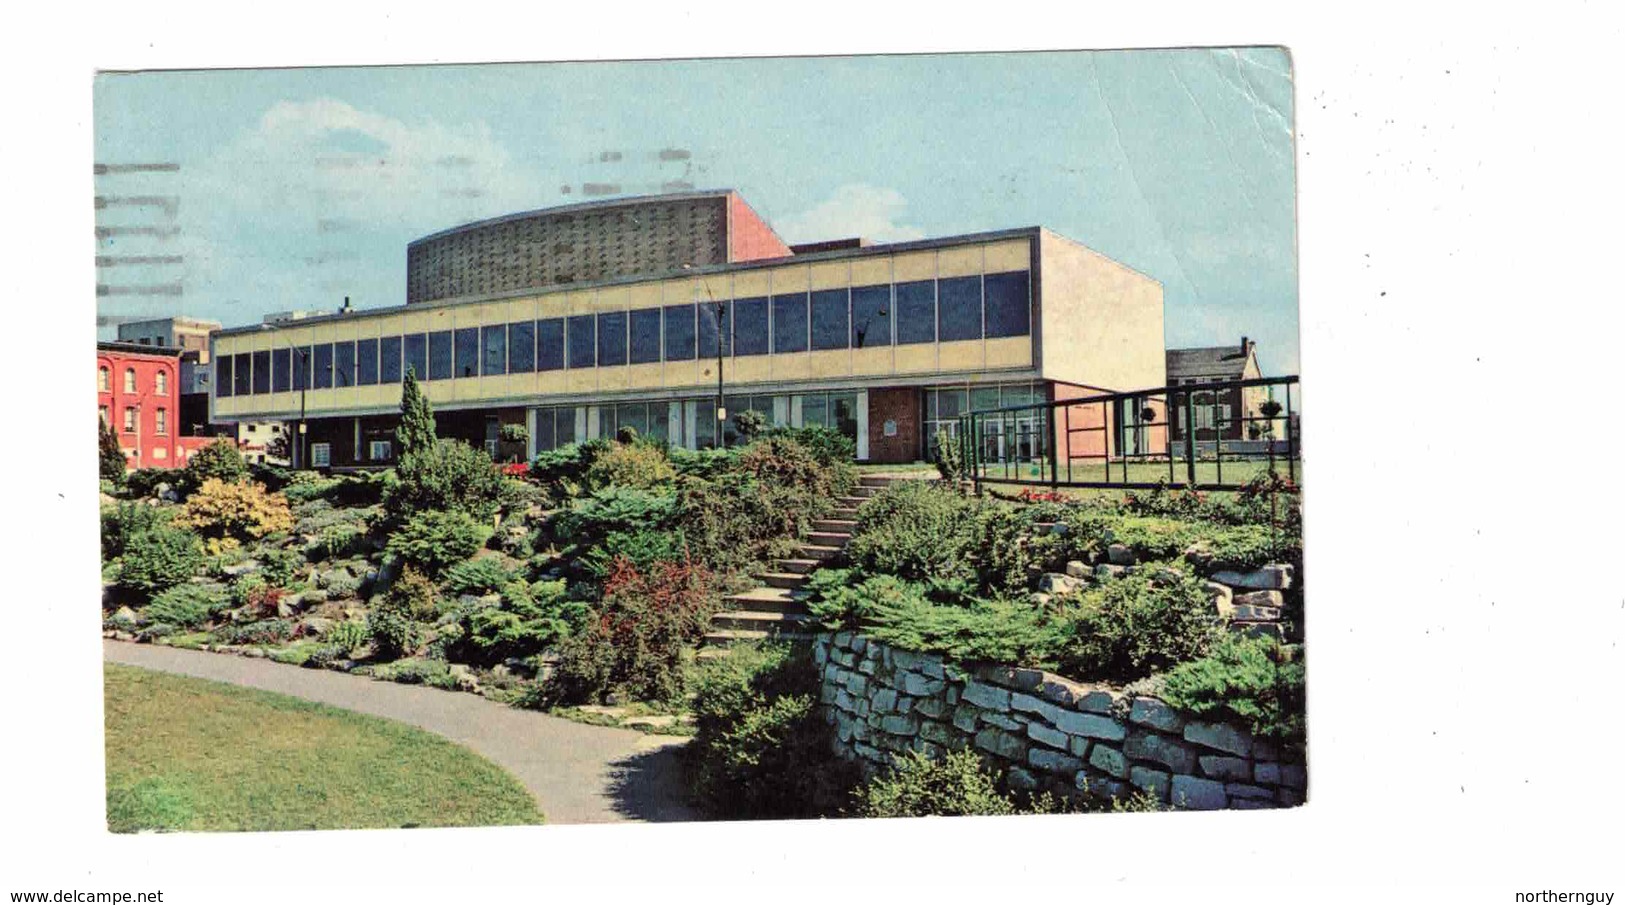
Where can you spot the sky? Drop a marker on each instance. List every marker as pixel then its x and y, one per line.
pixel 293 188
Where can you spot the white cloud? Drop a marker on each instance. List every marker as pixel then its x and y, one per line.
pixel 854 210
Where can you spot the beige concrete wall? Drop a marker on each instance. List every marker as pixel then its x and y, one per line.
pixel 1100 322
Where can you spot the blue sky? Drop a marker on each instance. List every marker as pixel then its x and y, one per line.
pixel 298 187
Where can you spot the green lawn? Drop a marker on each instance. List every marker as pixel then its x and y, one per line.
pixel 1207 471
pixel 188 754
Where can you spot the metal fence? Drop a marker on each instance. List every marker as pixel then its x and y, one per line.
pixel 1200 436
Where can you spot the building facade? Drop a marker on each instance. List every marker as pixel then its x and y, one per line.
pixel 1230 414
pixel 886 343
pixel 138 392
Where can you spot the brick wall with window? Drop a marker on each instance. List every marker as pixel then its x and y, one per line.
pixel 901 407
pixel 138 390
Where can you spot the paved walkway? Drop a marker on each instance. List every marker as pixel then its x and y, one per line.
pixel 576 772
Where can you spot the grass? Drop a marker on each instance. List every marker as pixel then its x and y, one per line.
pixel 192 755
pixel 895 468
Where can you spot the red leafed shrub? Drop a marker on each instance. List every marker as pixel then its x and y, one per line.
pixel 631 645
pixel 264 601
pixel 1030 495
pixel 516 469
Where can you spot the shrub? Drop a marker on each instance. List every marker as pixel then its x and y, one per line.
pixel 416 431
pixel 186 606
pixel 279 565
pixel 258 598
pixel 642 548
pixel 392 621
pixel 1136 624
pixel 1246 679
pixel 761 749
pixel 562 472
pixel 446 477
pixel 125 520
pixel 528 621
pixel 415 595
pixel 949 458
pixel 1002 548
pixel 433 540
pixel 633 641
pixel 111 463
pixel 339 541
pixel 956 784
pixel 703 463
pixel 265 631
pixel 347 636
pixel 636 465
pixel 159 558
pixel 476 576
pixel 219 460
pixel 142 483
pixel 240 511
pixel 966 628
pixel 304 486
pixel 827 445
pixel 914 530
pixel 750 423
pixel 614 509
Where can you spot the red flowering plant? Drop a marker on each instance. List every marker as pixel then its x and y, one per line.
pixel 1029 495
pixel 516 469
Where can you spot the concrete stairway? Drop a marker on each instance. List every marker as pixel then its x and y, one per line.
pixel 776 610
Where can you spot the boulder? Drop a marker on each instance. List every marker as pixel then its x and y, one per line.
pixel 313 627
pixel 1219 736
pixel 1194 794
pixel 241 568
pixel 1154 713
pixel 124 618
pixel 1120 555
pixel 1078 569
pixel 1271 599
pixel 1142 745
pixel 1273 577
pixel 1056 583
pixel 1107 570
pixel 1221 767
pixel 1109 759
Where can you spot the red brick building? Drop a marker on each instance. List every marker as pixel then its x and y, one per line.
pixel 138 392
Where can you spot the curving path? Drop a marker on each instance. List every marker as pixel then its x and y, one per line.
pixel 577 773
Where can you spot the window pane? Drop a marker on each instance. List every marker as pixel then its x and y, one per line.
pixel 415 355
pixel 871 316
pixel 494 350
pixel 634 415
pixel 750 326
pixel 467 352
pixel 222 375
pixel 645 327
pixel 959 308
pixel 984 398
pixel 522 347
pixel 281 370
pixel 708 330
pixel 843 414
pixel 366 362
pixel 303 360
pixel 550 344
pixel 564 423
pixel 790 323
pixel 389 359
pixel 544 430
pixel 829 319
pixel 241 384
pixel 321 362
pixel 657 421
pixel 612 339
pixel 344 364
pixel 916 312
pixel 951 403
pixel 440 355
pixel 705 424
pixel 582 344
pixel 814 411
pixel 262 372
pixel 680 333
pixel 1009 313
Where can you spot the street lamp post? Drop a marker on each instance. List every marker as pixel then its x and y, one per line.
pixel 722 411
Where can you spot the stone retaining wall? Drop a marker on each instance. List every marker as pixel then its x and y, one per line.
pixel 1044 731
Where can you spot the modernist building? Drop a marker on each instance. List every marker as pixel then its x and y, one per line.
pixel 138 392
pixel 577 321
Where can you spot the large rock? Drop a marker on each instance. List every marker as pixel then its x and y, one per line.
pixel 1194 794
pixel 1274 577
pixel 241 568
pixel 1041 733
pixel 1219 736
pixel 124 618
pixel 1106 571
pixel 1088 725
pixel 1154 713
pixel 1109 759
pixel 313 627
pixel 1001 743
pixel 987 696
pixel 1078 569
pixel 1153 781
pixel 1120 555
pixel 1221 767
pixel 921 686
pixel 1272 599
pixel 1142 745
pixel 1056 583
pixel 900 725
pixel 1053 761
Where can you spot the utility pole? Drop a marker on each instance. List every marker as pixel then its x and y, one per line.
pixel 721 408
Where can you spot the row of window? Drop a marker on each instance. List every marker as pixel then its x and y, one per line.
pixel 104 381
pixel 160 419
pixel 945 310
pixel 691 423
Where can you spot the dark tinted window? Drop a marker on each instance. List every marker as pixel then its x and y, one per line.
pixel 750 326
pixel 440 355
pixel 550 344
pixel 612 338
pixel 301 367
pixel 645 335
pixel 366 362
pixel 871 316
pixel 829 321
pixel 544 428
pixel 389 359
pixel 708 330
pixel 281 370
pixel 521 347
pixel 790 323
pixel 222 375
pixel 467 353
pixel 494 350
pixel 1008 311
pixel 415 355
pixel 916 312
pixel 262 372
pixel 344 364
pixel 582 344
pixel 241 385
pixel 680 333
pixel 959 308
pixel 321 364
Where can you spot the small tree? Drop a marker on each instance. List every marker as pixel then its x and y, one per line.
pixel 112 455
pixel 219 459
pixel 750 423
pixel 416 432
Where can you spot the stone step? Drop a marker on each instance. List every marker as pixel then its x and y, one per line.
pixel 791 580
pixel 778 600
pixel 837 525
pixel 879 480
pixel 814 551
pixel 845 513
pixel 836 539
pixel 863 492
pixel 798 566
pixel 759 621
pixel 726 637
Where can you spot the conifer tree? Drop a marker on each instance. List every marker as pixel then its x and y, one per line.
pixel 416 431
pixel 112 455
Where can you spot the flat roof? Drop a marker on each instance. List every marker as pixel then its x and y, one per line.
pixel 626 201
pixel 1024 232
pixel 132 347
